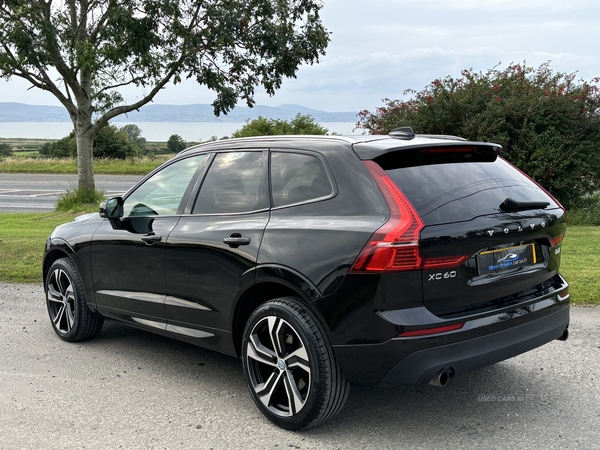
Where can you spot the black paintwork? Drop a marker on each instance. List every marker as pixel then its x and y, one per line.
pixel 197 277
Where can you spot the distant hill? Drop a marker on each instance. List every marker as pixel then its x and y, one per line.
pixel 19 112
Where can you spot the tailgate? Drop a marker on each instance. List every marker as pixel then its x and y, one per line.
pixel 502 230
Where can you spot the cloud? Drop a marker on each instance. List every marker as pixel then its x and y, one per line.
pixel 383 47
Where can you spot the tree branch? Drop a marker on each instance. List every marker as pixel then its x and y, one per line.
pixel 114 86
pixel 175 66
pixel 114 112
pixel 99 25
pixel 44 83
pixel 54 53
pixel 73 14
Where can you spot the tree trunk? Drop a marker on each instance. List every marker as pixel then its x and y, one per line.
pixel 85 155
pixel 84 135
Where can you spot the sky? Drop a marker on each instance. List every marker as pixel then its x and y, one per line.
pixel 380 48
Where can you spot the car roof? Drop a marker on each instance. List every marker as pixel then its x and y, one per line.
pixel 365 146
pixel 267 141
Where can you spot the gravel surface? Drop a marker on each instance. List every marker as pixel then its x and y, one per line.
pixel 130 389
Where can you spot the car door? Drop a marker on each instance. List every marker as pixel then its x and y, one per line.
pixel 211 251
pixel 128 259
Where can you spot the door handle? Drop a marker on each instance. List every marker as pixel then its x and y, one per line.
pixel 151 238
pixel 235 240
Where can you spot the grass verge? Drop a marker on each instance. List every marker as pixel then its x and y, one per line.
pixel 586 211
pixel 131 166
pixel 22 239
pixel 580 264
pixel 79 200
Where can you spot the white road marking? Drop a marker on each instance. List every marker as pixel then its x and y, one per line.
pixel 10 205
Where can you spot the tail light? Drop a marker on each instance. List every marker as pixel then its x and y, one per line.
pixel 395 246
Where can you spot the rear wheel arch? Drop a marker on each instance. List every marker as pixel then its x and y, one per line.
pixel 250 300
pixel 270 281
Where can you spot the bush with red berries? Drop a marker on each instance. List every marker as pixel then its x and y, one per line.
pixel 547 122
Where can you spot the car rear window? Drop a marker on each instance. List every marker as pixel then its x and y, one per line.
pixel 298 178
pixel 455 188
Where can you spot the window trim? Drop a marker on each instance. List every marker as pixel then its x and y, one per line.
pixel 191 200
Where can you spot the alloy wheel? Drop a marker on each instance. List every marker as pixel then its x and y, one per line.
pixel 61 301
pixel 279 366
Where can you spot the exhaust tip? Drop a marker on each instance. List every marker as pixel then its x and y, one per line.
pixel 442 377
pixel 565 335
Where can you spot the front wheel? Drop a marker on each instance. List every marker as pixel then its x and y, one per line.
pixel 69 314
pixel 290 367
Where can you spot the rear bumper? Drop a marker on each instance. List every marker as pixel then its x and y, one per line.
pixel 420 367
pixel 481 342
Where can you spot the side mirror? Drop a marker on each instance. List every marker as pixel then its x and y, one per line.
pixel 112 208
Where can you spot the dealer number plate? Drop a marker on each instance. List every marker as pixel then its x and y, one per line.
pixel 498 261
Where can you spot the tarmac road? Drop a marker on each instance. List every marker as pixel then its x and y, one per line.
pixel 130 389
pixel 25 192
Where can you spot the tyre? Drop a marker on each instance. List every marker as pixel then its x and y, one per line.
pixel 290 366
pixel 69 314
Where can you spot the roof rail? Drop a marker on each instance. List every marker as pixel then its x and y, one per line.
pixel 406 133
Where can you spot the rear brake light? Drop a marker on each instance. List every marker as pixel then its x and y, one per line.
pixel 425 332
pixel 427 151
pixel 395 246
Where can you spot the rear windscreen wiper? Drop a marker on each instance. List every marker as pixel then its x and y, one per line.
pixel 510 204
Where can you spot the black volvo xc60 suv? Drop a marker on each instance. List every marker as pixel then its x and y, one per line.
pixel 323 261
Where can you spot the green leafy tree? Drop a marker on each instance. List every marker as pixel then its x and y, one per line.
pixel 175 144
pixel 5 150
pixel 301 124
pixel 110 142
pixel 63 148
pixel 84 51
pixel 134 133
pixel 547 122
pixel 44 150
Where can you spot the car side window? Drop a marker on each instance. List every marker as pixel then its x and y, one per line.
pixel 161 194
pixel 298 177
pixel 235 183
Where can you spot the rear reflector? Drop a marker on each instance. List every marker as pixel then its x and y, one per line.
pixel 425 332
pixel 554 241
pixel 395 246
pixel 441 262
